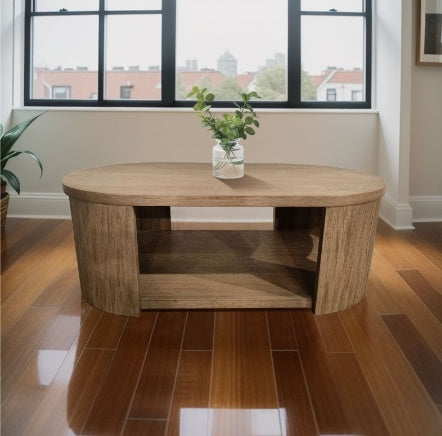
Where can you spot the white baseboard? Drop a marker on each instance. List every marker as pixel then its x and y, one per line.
pixel 397 215
pixel 39 205
pixel 426 208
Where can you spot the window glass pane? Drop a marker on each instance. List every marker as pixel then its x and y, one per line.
pixel 129 5
pixel 69 5
pixel 64 62
pixel 336 5
pixel 229 46
pixel 332 57
pixel 133 57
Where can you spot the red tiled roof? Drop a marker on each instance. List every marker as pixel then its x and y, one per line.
pixel 191 78
pixel 244 80
pixel 317 80
pixel 347 77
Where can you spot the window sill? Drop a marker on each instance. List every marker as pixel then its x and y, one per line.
pixel 186 110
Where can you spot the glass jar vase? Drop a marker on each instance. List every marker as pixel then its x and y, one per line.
pixel 228 160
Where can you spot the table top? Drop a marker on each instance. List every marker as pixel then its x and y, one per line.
pixel 192 184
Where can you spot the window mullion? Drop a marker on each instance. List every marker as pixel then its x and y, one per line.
pixel 101 46
pixel 368 52
pixel 294 53
pixel 168 56
pixel 28 52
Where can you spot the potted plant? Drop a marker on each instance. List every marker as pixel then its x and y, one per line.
pixel 7 152
pixel 228 130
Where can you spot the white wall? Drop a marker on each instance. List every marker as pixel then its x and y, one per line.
pixel 426 138
pixel 67 140
pixel 393 83
pixel 6 60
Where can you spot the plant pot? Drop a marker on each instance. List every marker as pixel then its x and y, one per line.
pixel 228 160
pixel 4 208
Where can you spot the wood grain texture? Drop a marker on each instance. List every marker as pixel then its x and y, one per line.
pixel 198 334
pixel 392 370
pixel 222 269
pixel 389 281
pixel 145 427
pixel 364 414
pixel 189 184
pixel 333 334
pixel 405 405
pixel 34 260
pixel 108 331
pixel 121 380
pixel 293 396
pixel 282 334
pixel 192 391
pixel 430 297
pixel 30 234
pixel 242 372
pixel 311 218
pixel 426 237
pixel 424 362
pixel 330 414
pixel 155 388
pixel 344 256
pixel 153 218
pixel 85 383
pixel 401 254
pixel 107 256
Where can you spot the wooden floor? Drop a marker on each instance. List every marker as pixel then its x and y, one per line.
pixel 69 369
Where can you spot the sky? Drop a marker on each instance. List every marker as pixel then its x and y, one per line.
pixel 205 30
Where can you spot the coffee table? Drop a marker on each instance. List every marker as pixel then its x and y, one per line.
pixel 317 256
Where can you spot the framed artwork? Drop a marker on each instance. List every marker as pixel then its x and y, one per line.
pixel 429 38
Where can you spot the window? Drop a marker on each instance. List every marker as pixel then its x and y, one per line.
pixel 331 94
pixel 125 91
pixel 61 92
pixel 152 52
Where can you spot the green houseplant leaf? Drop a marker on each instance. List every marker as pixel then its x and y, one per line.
pixel 12 179
pixel 229 127
pixel 7 142
pixel 10 138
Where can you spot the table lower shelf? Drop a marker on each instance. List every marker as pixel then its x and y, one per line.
pixel 224 269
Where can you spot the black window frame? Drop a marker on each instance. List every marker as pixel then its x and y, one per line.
pixel 168 66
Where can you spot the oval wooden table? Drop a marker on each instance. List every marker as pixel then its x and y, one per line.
pixel 318 255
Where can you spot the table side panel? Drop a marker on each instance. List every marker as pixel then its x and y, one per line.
pixel 107 256
pixel 345 256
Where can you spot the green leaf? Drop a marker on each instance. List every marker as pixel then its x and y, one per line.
pixel 249 130
pixel 12 179
pixel 10 137
pixel 209 98
pixel 35 159
pixel 256 123
pixel 249 120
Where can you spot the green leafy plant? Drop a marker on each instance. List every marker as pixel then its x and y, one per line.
pixel 230 127
pixel 7 152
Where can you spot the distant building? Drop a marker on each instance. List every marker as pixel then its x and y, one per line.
pixel 228 65
pixel 336 84
pixel 191 65
pixel 129 84
pixel 277 60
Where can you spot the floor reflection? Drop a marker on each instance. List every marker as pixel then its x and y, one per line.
pixel 232 422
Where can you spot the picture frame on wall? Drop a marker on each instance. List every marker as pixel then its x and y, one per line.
pixel 429 37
